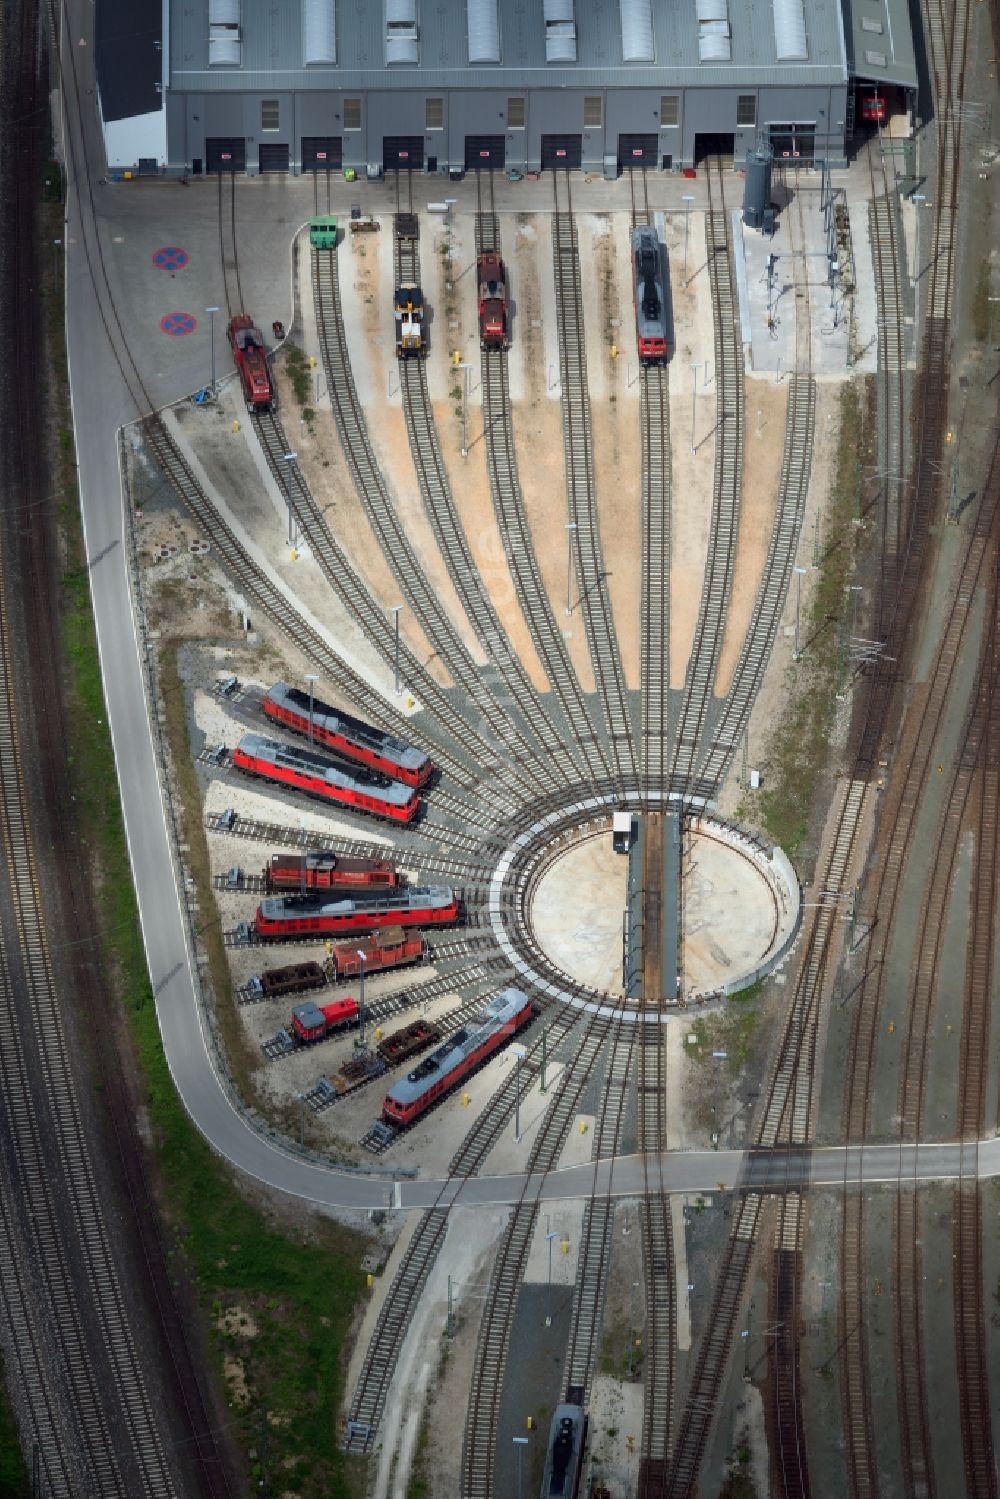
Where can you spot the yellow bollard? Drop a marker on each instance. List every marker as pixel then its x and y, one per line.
pixel 614 351
pixel 371 1280
pixel 456 356
pixel 564 1246
pixel 378 1033
pixel 465 1100
pixel 312 361
pixel 582 1126
pixel 295 554
pixel 530 1423
pixel 410 701
pixel 236 425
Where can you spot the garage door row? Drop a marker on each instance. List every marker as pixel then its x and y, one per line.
pixel 325 153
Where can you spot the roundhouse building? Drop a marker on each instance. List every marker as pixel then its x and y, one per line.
pixel 437 85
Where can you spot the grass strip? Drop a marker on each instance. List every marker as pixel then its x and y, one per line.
pixel 277 1302
pixel 798 751
pixel 14 1482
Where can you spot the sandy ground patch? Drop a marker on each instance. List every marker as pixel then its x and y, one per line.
pixel 691 512
pixel 576 913
pixel 764 435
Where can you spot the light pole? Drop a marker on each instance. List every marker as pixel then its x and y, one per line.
pixel 302 1119
pixel 631 1333
pixel 548 1296
pixel 799 571
pixel 465 367
pixel 312 679
pixel 570 528
pixel 519 1052
pixel 290 459
pixel 361 997
pixel 719 1056
pixel 520 1443
pixel 394 611
pixel 687 200
pixel 694 396
pixel 211 338
pixel 55 261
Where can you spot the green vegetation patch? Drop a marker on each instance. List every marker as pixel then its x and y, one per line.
pixel 730 1030
pixel 14 1483
pixel 799 748
pixel 981 308
pixel 301 377
pixel 276 1304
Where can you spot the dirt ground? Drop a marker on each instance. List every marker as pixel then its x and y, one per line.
pixel 764 435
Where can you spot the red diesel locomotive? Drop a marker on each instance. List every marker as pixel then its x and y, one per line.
pixel 324 870
pixel 291 918
pixel 292 765
pixel 350 737
pixel 250 354
pixel 312 1022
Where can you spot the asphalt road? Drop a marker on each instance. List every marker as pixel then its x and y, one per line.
pixel 101 403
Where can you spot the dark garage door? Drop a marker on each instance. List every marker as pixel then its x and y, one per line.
pixel 322 153
pixel 273 157
pixel 484 151
pixel 225 153
pixel 794 143
pixel 637 150
pixel 403 153
pixel 562 150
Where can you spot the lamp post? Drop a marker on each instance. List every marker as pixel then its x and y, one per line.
pixel 394 611
pixel 992 303
pixel 519 1052
pixel 570 528
pixel 361 996
pixel 694 397
pixel 55 260
pixel 290 459
pixel 687 200
pixel 312 679
pixel 302 1119
pixel 548 1295
pixel 520 1443
pixel 464 366
pixel 799 571
pixel 211 338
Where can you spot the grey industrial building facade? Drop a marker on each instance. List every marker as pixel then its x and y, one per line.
pixel 438 85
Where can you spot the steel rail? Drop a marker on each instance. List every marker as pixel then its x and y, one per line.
pixel 594 598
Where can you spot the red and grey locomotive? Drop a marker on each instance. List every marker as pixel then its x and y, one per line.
pixel 349 736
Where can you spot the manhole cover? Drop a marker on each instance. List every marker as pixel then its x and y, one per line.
pixel 198 548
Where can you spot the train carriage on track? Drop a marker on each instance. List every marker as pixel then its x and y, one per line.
pixel 322 869
pixel 564 1457
pixel 654 334
pixel 250 357
pixel 463 1051
pixel 349 736
pixel 305 917
pixel 304 770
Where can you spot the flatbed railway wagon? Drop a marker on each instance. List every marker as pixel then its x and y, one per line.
pixel 346 735
pixel 654 333
pixel 325 870
pixel 403 1044
pixel 295 978
pixel 250 356
pixel 464 1051
pixel 303 769
pixel 302 918
pixel 392 947
pixel 494 326
pixel 356 1071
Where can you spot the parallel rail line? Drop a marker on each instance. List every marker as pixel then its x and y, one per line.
pixel 594 599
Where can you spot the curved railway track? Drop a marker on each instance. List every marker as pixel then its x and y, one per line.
pixel 727 482
pixel 793 487
pixel 594 599
pixel 515 533
pixel 558 764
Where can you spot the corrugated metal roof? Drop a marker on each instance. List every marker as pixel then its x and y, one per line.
pixel 319 32
pixel 400 13
pixel 637 30
pixel 273 48
pixel 484 30
pixel 223 12
pixel 891 59
pixel 558 10
pixel 789 30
